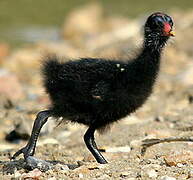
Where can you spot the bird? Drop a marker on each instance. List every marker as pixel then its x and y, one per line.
pixel 96 91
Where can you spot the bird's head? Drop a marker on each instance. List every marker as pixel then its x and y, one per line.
pixel 159 24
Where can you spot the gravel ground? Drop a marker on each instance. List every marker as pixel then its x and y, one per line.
pixel 167 113
pixel 121 145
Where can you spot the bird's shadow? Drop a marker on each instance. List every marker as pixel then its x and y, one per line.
pixel 10 167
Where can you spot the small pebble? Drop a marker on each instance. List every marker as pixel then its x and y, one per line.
pixel 124 174
pixel 104 177
pixel 190 174
pixel 179 165
pixel 176 158
pixel 159 119
pixel 152 173
pixel 167 178
pixel 81 176
pixel 35 174
pixel 135 143
pixel 17 174
pixel 47 141
pixel 118 149
pixel 52 178
pixel 62 167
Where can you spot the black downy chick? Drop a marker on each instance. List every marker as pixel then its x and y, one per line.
pixel 97 92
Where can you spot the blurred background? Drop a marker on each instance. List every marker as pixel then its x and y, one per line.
pixel 30 30
pixel 28 21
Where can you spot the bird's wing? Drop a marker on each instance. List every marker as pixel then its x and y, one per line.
pixel 100 89
pixel 89 78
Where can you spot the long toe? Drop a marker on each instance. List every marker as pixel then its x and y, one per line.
pixel 17 153
pixel 102 161
pixel 24 151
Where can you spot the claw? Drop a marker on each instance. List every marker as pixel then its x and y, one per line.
pixel 17 154
pixel 23 151
pixel 29 149
pixel 32 162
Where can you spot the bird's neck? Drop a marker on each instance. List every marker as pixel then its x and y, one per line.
pixel 149 58
pixel 154 42
pixel 146 66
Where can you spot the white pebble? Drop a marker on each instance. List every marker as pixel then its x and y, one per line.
pixel 167 178
pixel 52 178
pixel 118 149
pixel 17 175
pixel 80 176
pixel 179 165
pixel 103 177
pixel 122 69
pixel 152 173
pixel 62 167
pixel 118 65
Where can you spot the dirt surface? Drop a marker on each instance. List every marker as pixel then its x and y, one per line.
pixel 168 112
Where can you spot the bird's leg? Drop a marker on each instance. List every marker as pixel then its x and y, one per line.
pixel 150 142
pixel 29 149
pixel 91 145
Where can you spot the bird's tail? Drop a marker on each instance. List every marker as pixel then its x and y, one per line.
pixel 51 67
pixel 50 70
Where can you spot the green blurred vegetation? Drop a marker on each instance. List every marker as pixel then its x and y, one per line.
pixel 137 7
pixel 25 13
pixel 40 12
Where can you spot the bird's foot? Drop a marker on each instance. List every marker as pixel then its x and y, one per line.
pixel 32 162
pixel 102 161
pixel 26 151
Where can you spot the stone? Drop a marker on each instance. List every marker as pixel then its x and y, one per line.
pixel 152 173
pixel 17 175
pixel 124 174
pixel 34 174
pixel 47 141
pixel 25 63
pixel 167 178
pixel 81 176
pixel 179 158
pixel 21 130
pixel 33 163
pixel 52 178
pixel 10 85
pixel 61 167
pixel 123 149
pixel 104 177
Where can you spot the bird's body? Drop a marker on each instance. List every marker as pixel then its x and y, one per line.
pixel 98 92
